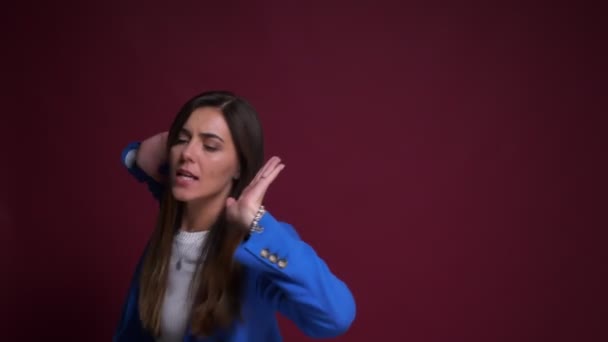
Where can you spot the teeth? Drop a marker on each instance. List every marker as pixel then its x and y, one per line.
pixel 185 176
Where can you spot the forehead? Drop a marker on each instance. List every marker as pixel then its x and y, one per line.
pixel 207 120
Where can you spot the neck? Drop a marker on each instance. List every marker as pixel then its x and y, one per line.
pixel 201 214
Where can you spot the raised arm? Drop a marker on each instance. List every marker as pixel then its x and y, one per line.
pixel 150 155
pixel 146 161
pixel 295 281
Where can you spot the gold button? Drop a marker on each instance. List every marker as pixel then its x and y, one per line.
pixel 272 258
pixel 282 263
pixel 264 253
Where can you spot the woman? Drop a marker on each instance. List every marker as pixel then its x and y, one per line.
pixel 218 266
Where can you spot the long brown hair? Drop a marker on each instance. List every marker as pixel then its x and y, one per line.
pixel 217 282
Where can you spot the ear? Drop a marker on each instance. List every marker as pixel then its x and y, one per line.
pixel 237 175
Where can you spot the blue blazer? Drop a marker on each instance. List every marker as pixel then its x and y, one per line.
pixel 282 274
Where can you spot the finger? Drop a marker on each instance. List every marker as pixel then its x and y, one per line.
pixel 261 171
pixel 270 164
pixel 271 168
pixel 259 190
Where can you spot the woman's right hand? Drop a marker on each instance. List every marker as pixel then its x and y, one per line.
pixel 151 155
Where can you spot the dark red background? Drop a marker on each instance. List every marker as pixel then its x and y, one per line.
pixel 441 158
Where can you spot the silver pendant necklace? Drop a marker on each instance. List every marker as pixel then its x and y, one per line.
pixel 180 257
pixel 193 241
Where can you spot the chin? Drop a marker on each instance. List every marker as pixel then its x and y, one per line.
pixel 183 196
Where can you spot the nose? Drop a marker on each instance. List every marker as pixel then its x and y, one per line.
pixel 188 152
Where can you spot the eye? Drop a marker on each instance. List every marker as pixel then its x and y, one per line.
pixel 181 140
pixel 210 148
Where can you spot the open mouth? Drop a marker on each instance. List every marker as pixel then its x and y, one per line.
pixel 184 174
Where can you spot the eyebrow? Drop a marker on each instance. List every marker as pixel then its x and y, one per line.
pixel 203 134
pixel 211 135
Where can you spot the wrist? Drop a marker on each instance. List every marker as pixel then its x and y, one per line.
pixel 254 226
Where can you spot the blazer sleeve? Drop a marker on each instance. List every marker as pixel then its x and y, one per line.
pixel 296 281
pixel 128 158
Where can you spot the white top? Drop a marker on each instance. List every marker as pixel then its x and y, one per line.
pixel 175 311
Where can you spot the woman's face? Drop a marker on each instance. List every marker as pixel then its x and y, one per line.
pixel 203 161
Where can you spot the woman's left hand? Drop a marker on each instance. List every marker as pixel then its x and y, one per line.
pixel 244 209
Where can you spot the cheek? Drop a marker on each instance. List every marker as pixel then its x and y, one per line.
pixel 223 172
